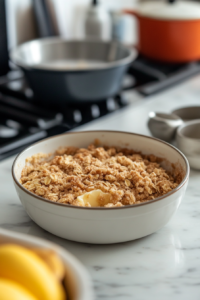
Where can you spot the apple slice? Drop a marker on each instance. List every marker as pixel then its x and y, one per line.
pixel 95 198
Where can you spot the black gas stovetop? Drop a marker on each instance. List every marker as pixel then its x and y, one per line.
pixel 24 121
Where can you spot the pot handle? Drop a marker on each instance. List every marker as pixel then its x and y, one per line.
pixel 131 12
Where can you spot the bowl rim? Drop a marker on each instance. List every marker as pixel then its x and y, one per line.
pixel 188 124
pixel 131 55
pixel 179 110
pixel 184 180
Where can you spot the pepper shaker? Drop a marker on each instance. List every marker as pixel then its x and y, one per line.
pixel 97 22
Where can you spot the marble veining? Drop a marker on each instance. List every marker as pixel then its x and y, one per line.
pixel 164 265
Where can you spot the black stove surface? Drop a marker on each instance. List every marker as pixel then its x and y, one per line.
pixel 155 76
pixel 24 121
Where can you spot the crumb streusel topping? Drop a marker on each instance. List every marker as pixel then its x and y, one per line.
pixel 129 177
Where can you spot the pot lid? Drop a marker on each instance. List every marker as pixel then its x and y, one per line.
pixel 170 10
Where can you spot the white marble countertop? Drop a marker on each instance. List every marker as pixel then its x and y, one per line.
pixel 164 265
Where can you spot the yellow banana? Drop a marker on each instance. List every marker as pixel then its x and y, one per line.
pixel 52 260
pixel 27 269
pixel 10 290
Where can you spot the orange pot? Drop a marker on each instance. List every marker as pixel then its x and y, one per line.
pixel 169 32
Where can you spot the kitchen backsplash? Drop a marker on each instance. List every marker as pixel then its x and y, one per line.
pixel 69 13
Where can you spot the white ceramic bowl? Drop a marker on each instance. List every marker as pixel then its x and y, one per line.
pixel 102 225
pixel 77 279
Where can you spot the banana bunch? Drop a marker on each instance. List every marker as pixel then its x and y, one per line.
pixel 30 274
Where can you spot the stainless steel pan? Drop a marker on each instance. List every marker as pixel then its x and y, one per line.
pixel 61 71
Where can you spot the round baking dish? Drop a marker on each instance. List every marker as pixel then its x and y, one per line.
pixel 103 225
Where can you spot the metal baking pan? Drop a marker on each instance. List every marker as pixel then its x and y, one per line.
pixel 61 71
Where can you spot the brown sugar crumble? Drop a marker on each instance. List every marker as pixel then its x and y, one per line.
pixel 128 177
